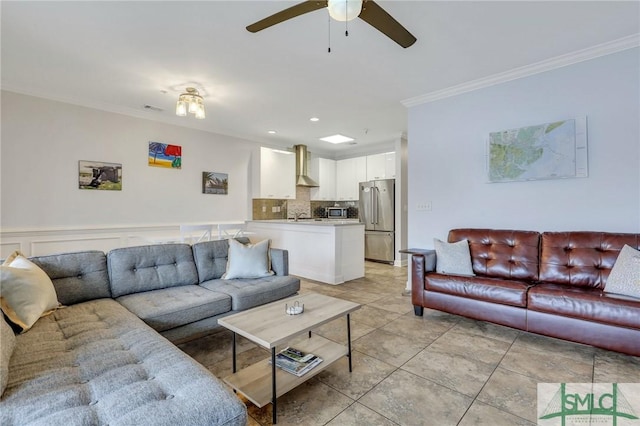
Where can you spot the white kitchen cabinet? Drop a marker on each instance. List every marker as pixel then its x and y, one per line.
pixel 277 174
pixel 390 165
pixel 323 171
pixel 350 172
pixel 381 166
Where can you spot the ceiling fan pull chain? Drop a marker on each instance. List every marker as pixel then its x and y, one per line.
pixel 346 22
pixel 329 36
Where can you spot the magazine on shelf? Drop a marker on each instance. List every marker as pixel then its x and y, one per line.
pixel 296 362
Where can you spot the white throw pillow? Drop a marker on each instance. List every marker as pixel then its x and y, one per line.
pixel 26 291
pixel 453 258
pixel 248 261
pixel 624 277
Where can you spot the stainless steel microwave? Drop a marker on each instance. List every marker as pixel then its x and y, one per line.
pixel 336 212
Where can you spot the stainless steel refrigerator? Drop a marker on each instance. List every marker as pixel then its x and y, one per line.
pixel 377 212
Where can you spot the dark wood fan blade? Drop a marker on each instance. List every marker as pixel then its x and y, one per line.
pixel 377 17
pixel 292 12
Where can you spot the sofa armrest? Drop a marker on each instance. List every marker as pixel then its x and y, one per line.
pixel 279 261
pixel 421 262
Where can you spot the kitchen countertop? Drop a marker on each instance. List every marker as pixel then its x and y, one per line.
pixel 313 222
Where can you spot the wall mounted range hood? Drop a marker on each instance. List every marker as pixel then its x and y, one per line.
pixel 302 159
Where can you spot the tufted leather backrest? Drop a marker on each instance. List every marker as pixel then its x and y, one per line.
pixel 144 268
pixel 582 259
pixel 501 253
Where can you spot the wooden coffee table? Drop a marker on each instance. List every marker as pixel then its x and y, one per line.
pixel 269 326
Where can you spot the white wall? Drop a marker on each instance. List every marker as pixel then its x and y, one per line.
pixel 447 140
pixel 43 140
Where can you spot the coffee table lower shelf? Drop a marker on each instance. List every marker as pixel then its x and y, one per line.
pixel 254 382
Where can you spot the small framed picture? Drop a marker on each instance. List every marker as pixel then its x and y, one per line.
pixel 99 175
pixel 215 183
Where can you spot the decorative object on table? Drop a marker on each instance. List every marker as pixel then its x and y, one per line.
pixel 546 151
pixel 215 183
pixel 165 155
pixel 190 101
pixel 295 309
pixel 99 175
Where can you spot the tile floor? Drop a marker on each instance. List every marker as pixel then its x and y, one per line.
pixel 439 369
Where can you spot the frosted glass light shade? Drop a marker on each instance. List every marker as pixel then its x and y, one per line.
pixel 181 108
pixel 344 10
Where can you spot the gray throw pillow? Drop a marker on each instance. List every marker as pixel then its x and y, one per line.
pixel 453 258
pixel 248 261
pixel 624 277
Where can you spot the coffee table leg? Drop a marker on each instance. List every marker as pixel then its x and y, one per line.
pixel 233 351
pixel 273 383
pixel 349 339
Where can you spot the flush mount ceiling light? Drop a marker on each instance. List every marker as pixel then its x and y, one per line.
pixel 344 10
pixel 337 139
pixel 271 132
pixel 192 102
pixel 314 119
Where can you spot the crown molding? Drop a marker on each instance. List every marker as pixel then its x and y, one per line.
pixel 593 52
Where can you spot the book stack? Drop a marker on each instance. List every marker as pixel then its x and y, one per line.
pixel 295 361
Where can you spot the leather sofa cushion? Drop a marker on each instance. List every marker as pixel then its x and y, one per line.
pixel 504 254
pixel 496 290
pixel 585 303
pixel 581 259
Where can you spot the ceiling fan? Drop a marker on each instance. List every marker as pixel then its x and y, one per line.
pixel 344 10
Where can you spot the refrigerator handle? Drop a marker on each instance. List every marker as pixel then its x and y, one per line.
pixel 372 201
pixel 375 204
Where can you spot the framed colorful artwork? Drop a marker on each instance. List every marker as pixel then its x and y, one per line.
pixel 165 155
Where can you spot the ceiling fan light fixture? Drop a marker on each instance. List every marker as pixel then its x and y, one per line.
pixel 344 10
pixel 191 102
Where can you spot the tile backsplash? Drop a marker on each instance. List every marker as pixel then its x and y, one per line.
pixel 268 209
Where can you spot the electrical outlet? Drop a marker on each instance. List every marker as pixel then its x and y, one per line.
pixel 425 206
pixel 264 209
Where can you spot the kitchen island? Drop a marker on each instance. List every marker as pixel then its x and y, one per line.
pixel 328 250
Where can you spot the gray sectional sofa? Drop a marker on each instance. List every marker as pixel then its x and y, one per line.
pixel 102 359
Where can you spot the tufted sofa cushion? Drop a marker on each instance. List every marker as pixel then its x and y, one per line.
pixel 211 258
pixel 581 258
pixel 144 268
pixel 247 293
pixel 97 363
pixel 501 253
pixel 176 306
pixel 77 277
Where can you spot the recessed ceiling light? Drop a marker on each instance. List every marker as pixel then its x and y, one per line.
pixel 337 139
pixel 314 119
pixel 272 132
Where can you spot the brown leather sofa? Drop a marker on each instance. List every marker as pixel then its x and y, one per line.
pixel 550 283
